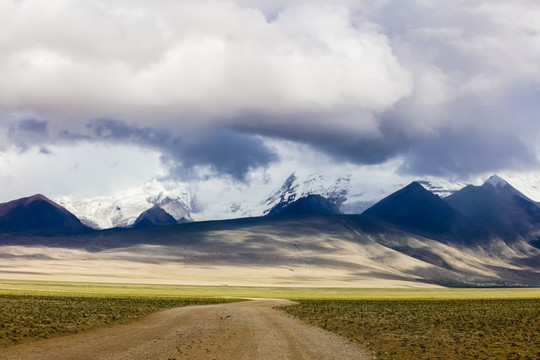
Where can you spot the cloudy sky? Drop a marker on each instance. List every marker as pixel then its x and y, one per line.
pixel 97 96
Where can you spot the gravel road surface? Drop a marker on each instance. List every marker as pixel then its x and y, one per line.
pixel 245 330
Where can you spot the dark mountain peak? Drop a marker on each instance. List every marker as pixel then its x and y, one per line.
pixel 425 213
pixel 500 207
pixel 496 181
pixel 36 213
pixel 37 197
pixel 309 205
pixel 416 187
pixel 6 207
pixel 413 192
pixel 502 188
pixel 155 216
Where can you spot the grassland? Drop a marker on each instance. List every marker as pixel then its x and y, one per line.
pixel 327 293
pixel 432 329
pixel 435 323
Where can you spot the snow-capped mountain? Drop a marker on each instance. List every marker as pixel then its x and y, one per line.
pixel 526 183
pixel 334 189
pixel 353 193
pixel 179 200
pixel 123 209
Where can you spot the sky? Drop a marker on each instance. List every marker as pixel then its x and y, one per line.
pixel 99 96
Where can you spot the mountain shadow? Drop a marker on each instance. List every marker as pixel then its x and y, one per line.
pixel 424 213
pixel 500 207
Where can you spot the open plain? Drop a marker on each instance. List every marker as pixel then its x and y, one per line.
pixel 346 323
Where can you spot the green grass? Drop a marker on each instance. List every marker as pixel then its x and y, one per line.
pixel 432 329
pixel 147 290
pixel 438 323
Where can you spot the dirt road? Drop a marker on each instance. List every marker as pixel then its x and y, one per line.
pixel 245 330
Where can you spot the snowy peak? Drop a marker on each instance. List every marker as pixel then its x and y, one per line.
pixel 285 195
pixel 123 209
pixel 502 186
pixel 352 192
pixel 496 182
pixel 334 189
pixel 443 189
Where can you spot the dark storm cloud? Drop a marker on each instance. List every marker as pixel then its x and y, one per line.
pixel 27 132
pixel 31 126
pixel 225 152
pixel 468 151
pixel 364 140
pixel 368 151
pixel 119 131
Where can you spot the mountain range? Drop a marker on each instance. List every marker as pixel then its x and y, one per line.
pixel 478 236
pixel 184 204
pixel 352 193
pixel 420 211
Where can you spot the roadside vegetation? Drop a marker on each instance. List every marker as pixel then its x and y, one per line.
pixel 434 323
pixel 432 329
pixel 25 318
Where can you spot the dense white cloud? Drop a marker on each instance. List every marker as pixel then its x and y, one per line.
pixel 193 62
pixel 448 88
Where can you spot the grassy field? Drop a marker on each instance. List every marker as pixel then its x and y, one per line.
pixel 436 323
pixel 432 329
pixel 151 290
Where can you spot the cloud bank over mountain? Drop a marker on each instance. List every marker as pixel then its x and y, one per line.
pixel 220 88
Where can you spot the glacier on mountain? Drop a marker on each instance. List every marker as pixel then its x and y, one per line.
pixel 353 194
pixel 125 207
